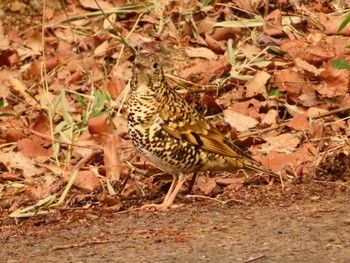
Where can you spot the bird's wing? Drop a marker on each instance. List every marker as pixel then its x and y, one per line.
pixel 182 122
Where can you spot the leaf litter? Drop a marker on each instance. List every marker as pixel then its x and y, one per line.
pixel 269 80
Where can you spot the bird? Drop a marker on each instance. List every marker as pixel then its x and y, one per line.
pixel 167 131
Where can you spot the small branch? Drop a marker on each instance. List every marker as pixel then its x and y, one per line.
pixel 83 244
pixel 217 200
pixel 251 259
pixel 275 127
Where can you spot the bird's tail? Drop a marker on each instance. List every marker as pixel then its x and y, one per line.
pixel 249 163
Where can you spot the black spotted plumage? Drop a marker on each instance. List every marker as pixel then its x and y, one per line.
pixel 171 134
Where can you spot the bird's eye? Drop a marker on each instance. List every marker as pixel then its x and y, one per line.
pixel 155 65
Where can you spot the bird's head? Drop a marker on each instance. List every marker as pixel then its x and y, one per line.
pixel 147 72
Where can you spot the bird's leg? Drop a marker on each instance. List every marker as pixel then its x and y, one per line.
pixel 169 201
pixel 190 186
pixel 171 189
pixel 168 195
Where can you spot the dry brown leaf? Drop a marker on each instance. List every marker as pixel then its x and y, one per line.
pixel 304 65
pixel 112 157
pixel 257 85
pixel 266 40
pixel 290 81
pixel 273 23
pixel 249 108
pixel 101 50
pixel 206 185
pixel 228 181
pixel 75 77
pixel 270 118
pixel 239 121
pixel 317 129
pixel 277 162
pixel 35 44
pixel 312 53
pixel 297 163
pixel 200 52
pixel 299 122
pixel 331 24
pixel 225 33
pixel 98 125
pixel 86 180
pixel 335 81
pixel 313 111
pixel 33 146
pixel 283 143
pixel 138 40
pixel 251 6
pixel 8 176
pixel 21 89
pixel 91 4
pixel 207 67
pixel 115 87
pixel 308 99
pixel 216 46
pixel 14 135
pixel 14 161
pixel 249 51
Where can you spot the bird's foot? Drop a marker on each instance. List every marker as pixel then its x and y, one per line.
pixel 159 207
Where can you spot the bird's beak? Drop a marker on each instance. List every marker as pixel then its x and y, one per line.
pixel 139 64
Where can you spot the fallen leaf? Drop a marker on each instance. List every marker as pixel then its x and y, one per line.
pixel 304 65
pixel 225 33
pixel 331 25
pixel 200 52
pixel 33 146
pixel 312 53
pixel 86 180
pixel 239 121
pixel 228 181
pixel 257 85
pixel 206 185
pixel 98 125
pixel 283 143
pixel 273 23
pixel 214 45
pixel 270 117
pixel 101 50
pixel 14 161
pixel 299 122
pixel 207 67
pixel 115 87
pixel 335 82
pixel 96 4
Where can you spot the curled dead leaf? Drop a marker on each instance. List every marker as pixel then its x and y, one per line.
pixel 98 125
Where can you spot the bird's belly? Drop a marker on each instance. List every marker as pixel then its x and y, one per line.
pixel 160 162
pixel 170 154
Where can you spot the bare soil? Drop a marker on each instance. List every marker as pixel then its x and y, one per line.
pixel 314 228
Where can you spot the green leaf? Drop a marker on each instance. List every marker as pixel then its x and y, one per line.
pixel 2 103
pixel 80 100
pixel 274 92
pixel 344 23
pixel 340 64
pixel 40 208
pixel 207 2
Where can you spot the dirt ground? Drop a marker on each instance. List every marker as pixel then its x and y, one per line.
pixel 314 228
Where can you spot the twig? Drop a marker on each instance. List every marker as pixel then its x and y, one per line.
pixel 251 259
pixel 316 116
pixel 91 242
pixel 217 200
